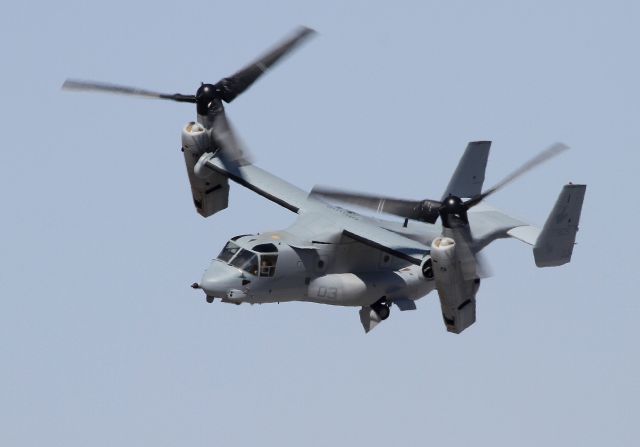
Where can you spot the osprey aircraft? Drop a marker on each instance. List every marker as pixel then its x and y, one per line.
pixel 333 255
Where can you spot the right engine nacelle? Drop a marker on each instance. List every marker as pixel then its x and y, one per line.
pixel 457 295
pixel 210 190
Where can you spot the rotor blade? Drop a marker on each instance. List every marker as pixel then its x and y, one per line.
pixel 483 268
pixel 234 85
pixel 233 153
pixel 543 156
pixel 73 84
pixel 423 210
pixel 473 265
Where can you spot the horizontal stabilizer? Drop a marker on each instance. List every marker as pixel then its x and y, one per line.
pixel 525 233
pixel 554 245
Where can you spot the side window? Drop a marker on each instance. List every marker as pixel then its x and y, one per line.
pixel 268 265
pixel 268 258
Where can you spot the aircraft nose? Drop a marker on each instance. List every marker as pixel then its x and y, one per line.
pixel 219 279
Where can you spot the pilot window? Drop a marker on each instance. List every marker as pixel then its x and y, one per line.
pixel 268 259
pixel 268 265
pixel 247 261
pixel 228 251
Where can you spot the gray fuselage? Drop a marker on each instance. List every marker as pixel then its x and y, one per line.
pixel 340 272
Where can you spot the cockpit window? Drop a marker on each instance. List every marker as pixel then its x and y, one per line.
pixel 228 251
pixel 247 261
pixel 265 248
pixel 267 261
pixel 268 264
pixel 261 260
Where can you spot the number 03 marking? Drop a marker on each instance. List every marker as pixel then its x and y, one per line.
pixel 327 292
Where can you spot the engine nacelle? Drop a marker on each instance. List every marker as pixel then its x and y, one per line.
pixel 196 139
pixel 457 294
pixel 210 190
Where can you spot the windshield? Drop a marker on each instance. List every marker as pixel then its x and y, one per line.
pixel 247 261
pixel 228 251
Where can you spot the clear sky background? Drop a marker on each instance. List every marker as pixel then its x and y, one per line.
pixel 103 343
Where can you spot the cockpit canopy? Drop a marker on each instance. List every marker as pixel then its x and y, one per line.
pixel 261 259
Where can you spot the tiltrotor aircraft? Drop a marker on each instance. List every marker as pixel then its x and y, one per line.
pixel 332 255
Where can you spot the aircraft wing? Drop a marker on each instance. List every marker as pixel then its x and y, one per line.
pixel 367 232
pixel 259 181
pixel 327 224
pixel 315 213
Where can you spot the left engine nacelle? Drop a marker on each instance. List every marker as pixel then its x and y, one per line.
pixel 210 190
pixel 457 294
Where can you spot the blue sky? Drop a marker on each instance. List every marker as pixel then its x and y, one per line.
pixel 102 341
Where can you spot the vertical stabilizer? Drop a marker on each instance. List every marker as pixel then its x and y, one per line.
pixel 468 177
pixel 554 245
